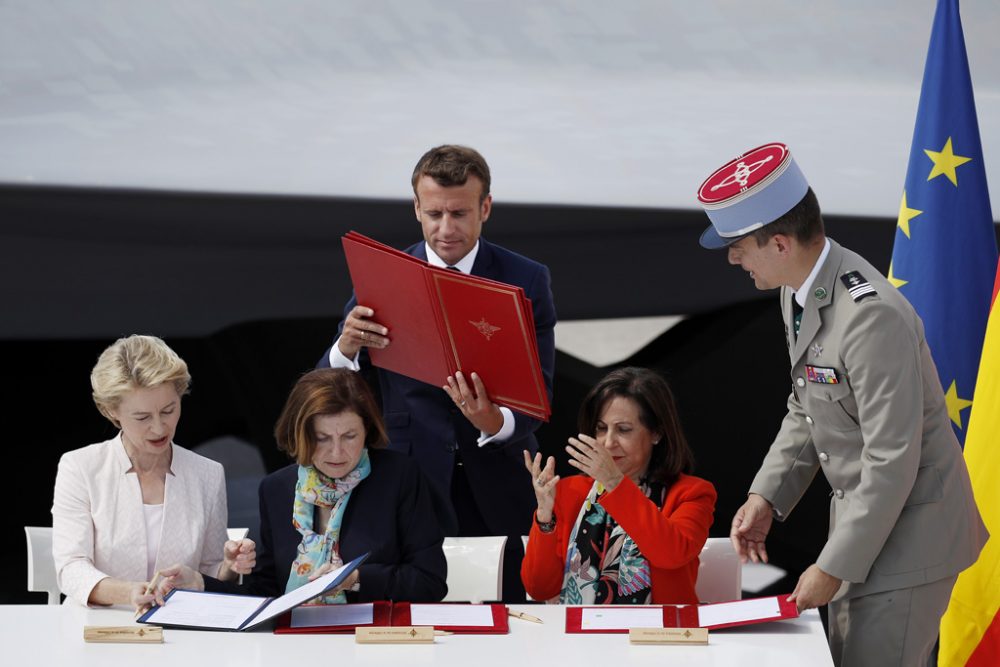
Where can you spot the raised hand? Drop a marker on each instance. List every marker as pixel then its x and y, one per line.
pixel 543 481
pixel 587 455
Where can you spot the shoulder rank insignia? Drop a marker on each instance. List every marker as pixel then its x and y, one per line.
pixel 857 286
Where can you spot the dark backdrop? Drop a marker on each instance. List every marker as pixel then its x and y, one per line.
pixel 249 289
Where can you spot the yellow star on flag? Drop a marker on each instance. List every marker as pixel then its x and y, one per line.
pixel 945 162
pixel 955 404
pixel 896 282
pixel 905 215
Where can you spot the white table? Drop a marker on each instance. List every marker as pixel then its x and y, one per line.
pixel 53 635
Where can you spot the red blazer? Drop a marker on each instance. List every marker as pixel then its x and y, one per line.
pixel 671 538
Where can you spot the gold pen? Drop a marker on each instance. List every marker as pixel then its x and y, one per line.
pixel 149 589
pixel 524 617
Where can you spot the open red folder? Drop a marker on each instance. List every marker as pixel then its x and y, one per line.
pixel 485 619
pixel 312 620
pixel 620 619
pixel 442 321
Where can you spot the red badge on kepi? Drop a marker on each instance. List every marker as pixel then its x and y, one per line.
pixel 750 191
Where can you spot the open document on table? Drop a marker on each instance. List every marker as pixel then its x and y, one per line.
pixel 225 611
pixel 609 618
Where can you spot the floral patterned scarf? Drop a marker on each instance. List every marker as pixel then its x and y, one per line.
pixel 603 564
pixel 314 489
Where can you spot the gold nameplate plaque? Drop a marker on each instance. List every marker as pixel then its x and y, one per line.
pixel 395 635
pixel 124 634
pixel 668 636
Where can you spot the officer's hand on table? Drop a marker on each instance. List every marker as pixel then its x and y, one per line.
pixel 361 331
pixel 474 403
pixel 814 589
pixel 750 527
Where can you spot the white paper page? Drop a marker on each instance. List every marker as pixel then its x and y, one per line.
pixel 322 615
pixel 619 618
pixel 206 610
pixel 302 594
pixel 737 612
pixel 472 615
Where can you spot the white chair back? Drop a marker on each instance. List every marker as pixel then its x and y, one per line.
pixel 475 568
pixel 720 572
pixel 524 543
pixel 41 564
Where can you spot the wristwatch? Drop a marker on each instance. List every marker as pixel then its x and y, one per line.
pixel 546 526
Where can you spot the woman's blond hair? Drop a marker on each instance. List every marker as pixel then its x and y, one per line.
pixel 135 362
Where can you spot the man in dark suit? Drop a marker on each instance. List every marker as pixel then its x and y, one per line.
pixel 469 447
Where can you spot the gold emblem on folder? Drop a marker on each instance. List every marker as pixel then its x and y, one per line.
pixel 485 327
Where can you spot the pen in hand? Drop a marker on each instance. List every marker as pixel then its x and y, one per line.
pixel 149 589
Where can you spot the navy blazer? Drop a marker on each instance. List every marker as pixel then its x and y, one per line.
pixel 423 422
pixel 389 514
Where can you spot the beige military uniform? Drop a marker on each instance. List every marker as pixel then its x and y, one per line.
pixel 868 410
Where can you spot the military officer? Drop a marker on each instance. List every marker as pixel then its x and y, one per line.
pixel 866 407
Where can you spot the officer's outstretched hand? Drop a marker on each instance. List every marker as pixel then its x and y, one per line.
pixel 814 589
pixel 750 527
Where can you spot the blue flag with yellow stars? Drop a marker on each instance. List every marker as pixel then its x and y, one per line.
pixel 944 257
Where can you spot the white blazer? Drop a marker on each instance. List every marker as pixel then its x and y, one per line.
pixel 98 525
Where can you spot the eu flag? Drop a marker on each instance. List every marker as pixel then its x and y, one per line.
pixel 945 254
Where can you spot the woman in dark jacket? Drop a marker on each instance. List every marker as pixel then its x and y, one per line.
pixel 344 496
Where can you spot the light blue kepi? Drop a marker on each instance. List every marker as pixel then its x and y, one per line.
pixel 748 192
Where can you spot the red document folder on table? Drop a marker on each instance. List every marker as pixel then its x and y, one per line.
pixel 442 321
pixel 710 616
pixel 386 614
pixel 403 614
pixel 308 617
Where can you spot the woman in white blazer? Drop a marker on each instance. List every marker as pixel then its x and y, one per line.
pixel 138 503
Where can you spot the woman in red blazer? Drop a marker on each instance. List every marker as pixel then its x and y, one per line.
pixel 630 528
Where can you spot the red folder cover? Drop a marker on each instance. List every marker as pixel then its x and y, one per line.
pixel 685 616
pixel 401 616
pixel 442 321
pixel 386 614
pixel 381 617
